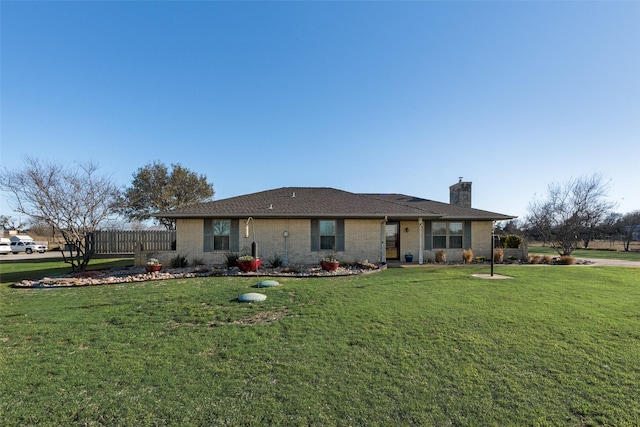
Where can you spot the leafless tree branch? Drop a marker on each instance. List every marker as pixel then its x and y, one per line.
pixel 73 201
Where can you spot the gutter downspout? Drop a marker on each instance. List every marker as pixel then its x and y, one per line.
pixel 420 251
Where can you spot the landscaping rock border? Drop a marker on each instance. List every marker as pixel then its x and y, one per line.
pixel 138 274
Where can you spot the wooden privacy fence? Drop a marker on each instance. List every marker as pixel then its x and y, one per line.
pixel 124 242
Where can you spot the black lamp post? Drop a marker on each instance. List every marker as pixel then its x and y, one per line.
pixel 493 236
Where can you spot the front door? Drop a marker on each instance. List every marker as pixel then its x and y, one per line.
pixel 393 240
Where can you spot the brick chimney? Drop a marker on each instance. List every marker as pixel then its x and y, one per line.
pixel 460 194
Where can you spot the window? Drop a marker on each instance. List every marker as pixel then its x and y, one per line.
pixel 439 231
pixel 447 235
pixel 328 235
pixel 221 234
pixel 455 235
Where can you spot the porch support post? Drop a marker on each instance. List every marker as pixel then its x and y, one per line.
pixel 383 243
pixel 420 250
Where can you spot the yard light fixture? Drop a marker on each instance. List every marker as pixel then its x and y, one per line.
pixel 493 240
pixel 246 228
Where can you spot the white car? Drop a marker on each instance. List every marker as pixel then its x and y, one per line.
pixel 28 247
pixel 4 248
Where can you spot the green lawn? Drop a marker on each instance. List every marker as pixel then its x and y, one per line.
pixel 414 346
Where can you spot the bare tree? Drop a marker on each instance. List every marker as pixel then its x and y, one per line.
pixel 9 223
pixel 73 201
pixel 41 228
pixel 570 212
pixel 608 228
pixel 629 226
pixel 589 195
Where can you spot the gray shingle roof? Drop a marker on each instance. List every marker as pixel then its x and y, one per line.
pixel 444 210
pixel 318 202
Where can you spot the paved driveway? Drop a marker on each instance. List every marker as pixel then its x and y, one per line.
pixel 50 255
pixel 612 262
pixel 604 262
pixel 35 255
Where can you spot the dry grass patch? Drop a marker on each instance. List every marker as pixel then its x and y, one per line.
pixel 260 318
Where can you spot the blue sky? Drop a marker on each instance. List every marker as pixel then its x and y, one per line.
pixel 363 96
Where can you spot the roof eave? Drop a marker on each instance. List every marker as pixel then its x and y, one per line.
pixel 497 217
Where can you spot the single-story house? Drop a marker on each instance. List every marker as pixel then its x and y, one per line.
pixel 304 224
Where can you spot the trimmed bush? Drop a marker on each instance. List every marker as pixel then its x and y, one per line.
pixel 467 256
pixel 566 260
pixel 441 256
pixel 512 241
pixel 498 255
pixel 535 259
